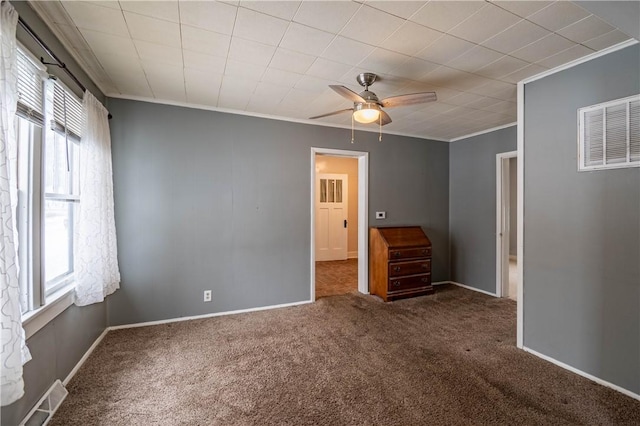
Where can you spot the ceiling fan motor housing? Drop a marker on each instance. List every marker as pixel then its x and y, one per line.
pixel 366 79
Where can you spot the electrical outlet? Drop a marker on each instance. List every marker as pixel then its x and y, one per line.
pixel 207 295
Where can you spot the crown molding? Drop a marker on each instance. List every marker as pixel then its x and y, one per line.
pixel 482 132
pixel 267 116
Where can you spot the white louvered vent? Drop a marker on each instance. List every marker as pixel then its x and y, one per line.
pixel 44 410
pixel 609 135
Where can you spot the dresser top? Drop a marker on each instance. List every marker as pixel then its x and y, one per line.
pixel 403 236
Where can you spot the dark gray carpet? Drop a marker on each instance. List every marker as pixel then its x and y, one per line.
pixel 444 359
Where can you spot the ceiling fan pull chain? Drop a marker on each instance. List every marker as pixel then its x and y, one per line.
pixel 380 138
pixel 352 128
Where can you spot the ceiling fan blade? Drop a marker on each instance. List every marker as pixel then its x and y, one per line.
pixel 347 93
pixel 410 99
pixel 385 117
pixel 331 113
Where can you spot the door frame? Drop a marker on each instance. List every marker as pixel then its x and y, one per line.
pixel 363 215
pixel 502 249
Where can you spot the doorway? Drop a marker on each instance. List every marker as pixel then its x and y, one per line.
pixel 338 222
pixel 506 225
pixel 334 201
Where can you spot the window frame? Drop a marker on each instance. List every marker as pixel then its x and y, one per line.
pixel 58 282
pixel 44 301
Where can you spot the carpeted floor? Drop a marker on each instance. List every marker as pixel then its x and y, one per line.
pixel 443 359
pixel 336 277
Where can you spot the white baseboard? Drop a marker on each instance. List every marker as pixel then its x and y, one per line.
pixel 85 356
pixel 465 286
pixel 582 373
pixel 215 314
pixel 352 254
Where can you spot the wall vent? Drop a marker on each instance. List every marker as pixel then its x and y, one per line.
pixel 609 135
pixel 47 406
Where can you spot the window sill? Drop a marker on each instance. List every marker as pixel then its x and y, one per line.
pixel 35 320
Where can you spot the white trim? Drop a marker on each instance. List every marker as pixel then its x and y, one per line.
pixel 352 254
pixel 34 321
pixel 371 129
pixel 482 132
pixel 211 315
pixel 582 373
pixel 85 356
pixel 474 289
pixel 520 236
pixel 363 215
pixel 579 61
pixel 502 174
pixel 488 293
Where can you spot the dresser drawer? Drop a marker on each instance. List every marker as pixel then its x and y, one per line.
pixel 409 253
pixel 397 269
pixel 414 281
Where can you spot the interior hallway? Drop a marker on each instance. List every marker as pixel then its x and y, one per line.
pixel 513 279
pixel 336 277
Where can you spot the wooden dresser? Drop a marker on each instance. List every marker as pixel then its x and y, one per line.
pixel 399 262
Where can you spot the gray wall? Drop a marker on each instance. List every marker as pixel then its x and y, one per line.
pixel 55 350
pixel 208 200
pixel 472 207
pixel 513 206
pixel 581 230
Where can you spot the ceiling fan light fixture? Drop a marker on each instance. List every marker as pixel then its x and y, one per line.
pixel 366 113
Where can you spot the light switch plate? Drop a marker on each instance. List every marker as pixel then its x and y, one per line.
pixel 381 215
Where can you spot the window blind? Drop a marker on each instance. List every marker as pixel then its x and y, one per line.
pixel 67 111
pixel 30 89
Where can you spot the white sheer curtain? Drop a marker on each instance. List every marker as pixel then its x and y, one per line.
pixel 14 350
pixel 95 251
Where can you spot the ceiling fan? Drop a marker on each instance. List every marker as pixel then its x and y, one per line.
pixel 367 108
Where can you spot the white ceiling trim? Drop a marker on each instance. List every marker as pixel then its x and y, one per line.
pixel 482 132
pixel 268 116
pixel 582 60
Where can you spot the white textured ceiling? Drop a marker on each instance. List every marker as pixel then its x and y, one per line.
pixel 278 57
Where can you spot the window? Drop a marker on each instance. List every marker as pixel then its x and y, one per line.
pixel 609 135
pixel 60 197
pixel 48 136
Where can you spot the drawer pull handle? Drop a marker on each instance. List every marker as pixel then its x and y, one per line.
pixel 396 253
pixel 396 269
pixel 424 279
pixel 396 283
pixel 425 266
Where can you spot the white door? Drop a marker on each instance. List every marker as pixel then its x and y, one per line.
pixel 331 217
